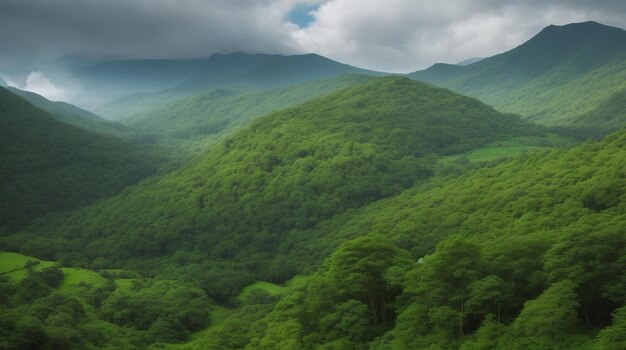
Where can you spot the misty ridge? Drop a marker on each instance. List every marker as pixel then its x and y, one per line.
pixel 324 174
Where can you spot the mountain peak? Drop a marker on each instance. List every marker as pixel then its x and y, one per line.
pixel 268 70
pixel 581 31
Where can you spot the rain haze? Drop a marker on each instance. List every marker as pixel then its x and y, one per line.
pixel 390 35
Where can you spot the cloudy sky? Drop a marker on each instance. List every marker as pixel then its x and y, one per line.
pixel 389 35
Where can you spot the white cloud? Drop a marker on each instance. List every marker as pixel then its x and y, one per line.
pixel 405 35
pixel 39 83
pixel 392 35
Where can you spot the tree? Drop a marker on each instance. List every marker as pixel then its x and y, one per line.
pixel 548 317
pixel 488 292
pixel 357 271
pixel 445 277
pixel 613 337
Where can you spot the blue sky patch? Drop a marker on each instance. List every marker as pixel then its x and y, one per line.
pixel 300 14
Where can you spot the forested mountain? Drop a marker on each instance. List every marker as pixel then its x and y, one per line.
pixel 521 255
pixel 193 123
pixel 565 75
pixel 73 115
pixel 529 255
pixel 48 165
pixel 285 171
pixel 257 201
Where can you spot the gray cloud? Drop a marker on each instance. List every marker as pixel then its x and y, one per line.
pixel 35 30
pixel 404 35
pixel 393 35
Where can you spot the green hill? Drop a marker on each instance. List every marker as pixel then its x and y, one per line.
pixel 73 115
pixel 528 254
pixel 47 165
pixel 562 76
pixel 285 171
pixel 193 123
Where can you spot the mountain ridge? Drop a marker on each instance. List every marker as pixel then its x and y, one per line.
pixel 544 78
pixel 49 165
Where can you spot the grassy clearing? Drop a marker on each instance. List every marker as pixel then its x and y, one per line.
pixel 14 261
pixel 75 276
pixel 270 288
pixel 12 265
pixel 510 148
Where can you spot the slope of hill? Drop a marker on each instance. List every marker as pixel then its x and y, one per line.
pixel 263 70
pixel 469 61
pixel 48 165
pixel 233 71
pixel 285 171
pixel 559 77
pixel 193 123
pixel 528 254
pixel 73 115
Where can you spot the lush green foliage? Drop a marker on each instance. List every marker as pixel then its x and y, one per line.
pixel 536 263
pixel 565 75
pixel 388 215
pixel 283 173
pixel 44 311
pixel 73 115
pixel 194 123
pixel 47 165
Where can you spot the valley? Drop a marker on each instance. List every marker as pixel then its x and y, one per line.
pixel 265 201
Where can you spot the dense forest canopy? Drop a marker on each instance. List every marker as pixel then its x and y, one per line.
pixel 565 75
pixel 255 201
pixel 48 165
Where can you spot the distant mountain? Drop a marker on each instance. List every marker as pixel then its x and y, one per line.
pixel 286 171
pixel 73 115
pixel 47 165
pixel 136 93
pixel 263 70
pixel 137 75
pixel 195 121
pixel 469 61
pixel 3 82
pixel 559 77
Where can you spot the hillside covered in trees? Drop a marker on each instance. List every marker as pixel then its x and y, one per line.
pixel 48 165
pixel 283 172
pixel 269 201
pixel 565 75
pixel 192 124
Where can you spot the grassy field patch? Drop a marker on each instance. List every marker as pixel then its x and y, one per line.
pixel 510 148
pixel 12 265
pixel 270 288
pixel 74 276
